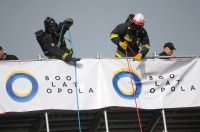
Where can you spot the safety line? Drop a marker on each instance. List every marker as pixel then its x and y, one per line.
pixel 131 51
pixel 76 81
pixel 59 43
pixel 138 114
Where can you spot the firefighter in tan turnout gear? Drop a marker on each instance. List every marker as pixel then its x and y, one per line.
pixel 131 38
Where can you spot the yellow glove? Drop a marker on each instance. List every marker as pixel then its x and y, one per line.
pixel 138 57
pixel 123 45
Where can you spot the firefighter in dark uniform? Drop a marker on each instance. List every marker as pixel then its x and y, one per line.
pixel 5 56
pixel 131 38
pixel 54 41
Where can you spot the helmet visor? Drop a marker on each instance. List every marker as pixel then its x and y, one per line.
pixel 138 23
pixel 52 28
pixel 137 27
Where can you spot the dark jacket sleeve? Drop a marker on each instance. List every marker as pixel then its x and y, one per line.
pixel 15 57
pixel 61 30
pixel 63 27
pixel 145 43
pixel 11 57
pixel 118 33
pixel 53 49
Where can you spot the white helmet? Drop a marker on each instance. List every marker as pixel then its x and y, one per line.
pixel 138 19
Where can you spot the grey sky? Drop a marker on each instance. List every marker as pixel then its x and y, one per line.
pixel 176 21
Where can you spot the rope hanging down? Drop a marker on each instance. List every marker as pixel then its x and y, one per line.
pixel 59 43
pixel 76 85
pixel 138 114
pixel 76 81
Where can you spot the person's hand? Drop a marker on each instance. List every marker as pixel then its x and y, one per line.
pixel 123 45
pixel 69 21
pixel 137 57
pixel 75 59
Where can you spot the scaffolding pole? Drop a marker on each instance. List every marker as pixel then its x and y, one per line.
pixel 98 56
pixel 47 121
pixel 106 120
pixel 164 120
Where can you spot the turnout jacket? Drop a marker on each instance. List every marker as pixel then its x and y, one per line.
pixel 138 41
pixel 55 43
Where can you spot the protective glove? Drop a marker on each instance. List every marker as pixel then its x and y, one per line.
pixel 75 59
pixel 123 45
pixel 67 57
pixel 137 57
pixel 69 21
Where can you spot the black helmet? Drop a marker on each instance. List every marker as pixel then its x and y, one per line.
pixel 50 25
pixel 49 21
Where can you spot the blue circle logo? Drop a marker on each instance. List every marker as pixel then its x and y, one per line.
pixel 22 94
pixel 136 86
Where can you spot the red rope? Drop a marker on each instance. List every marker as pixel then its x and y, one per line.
pixel 131 51
pixel 138 114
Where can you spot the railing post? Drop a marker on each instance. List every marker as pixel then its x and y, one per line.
pixel 164 120
pixel 106 120
pixel 98 56
pixel 40 58
pixel 47 121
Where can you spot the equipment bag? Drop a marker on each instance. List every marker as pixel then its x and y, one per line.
pixel 130 17
pixel 39 37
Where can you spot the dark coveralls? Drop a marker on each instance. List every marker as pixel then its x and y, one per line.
pixel 54 48
pixel 163 54
pixel 10 57
pixel 138 40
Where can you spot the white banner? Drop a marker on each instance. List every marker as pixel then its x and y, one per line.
pixel 155 84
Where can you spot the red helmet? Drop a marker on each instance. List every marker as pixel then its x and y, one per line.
pixel 138 19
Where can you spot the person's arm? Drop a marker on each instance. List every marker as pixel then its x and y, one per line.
pixel 116 36
pixel 54 50
pixel 15 57
pixel 64 26
pixel 145 44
